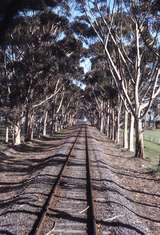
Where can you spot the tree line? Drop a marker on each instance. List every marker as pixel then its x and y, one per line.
pixel 125 75
pixel 40 60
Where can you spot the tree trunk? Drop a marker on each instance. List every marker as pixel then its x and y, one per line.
pixel 139 148
pixel 101 116
pixel 45 123
pixel 53 120
pixel 119 111
pixel 56 125
pixel 29 125
pixel 108 119
pixel 125 134
pixel 6 131
pixel 113 125
pixel 110 126
pixel 118 127
pixel 7 135
pixel 131 133
pixel 101 122
pixel 71 120
pixel 52 126
pixel 107 125
pixel 17 133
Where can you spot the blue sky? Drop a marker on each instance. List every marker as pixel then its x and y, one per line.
pixel 86 64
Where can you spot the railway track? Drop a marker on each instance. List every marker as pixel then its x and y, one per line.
pixel 92 229
pixel 69 208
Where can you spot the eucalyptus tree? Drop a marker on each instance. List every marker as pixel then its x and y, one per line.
pixel 96 54
pixel 69 54
pixel 10 9
pixel 89 106
pixel 104 96
pixel 29 72
pixel 35 64
pixel 133 32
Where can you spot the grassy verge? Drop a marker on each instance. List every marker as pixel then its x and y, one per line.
pixel 152 147
pixel 3 146
pixel 152 136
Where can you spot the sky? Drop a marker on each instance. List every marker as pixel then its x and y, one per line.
pixel 86 64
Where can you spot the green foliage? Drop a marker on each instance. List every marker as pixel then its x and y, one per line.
pixel 38 51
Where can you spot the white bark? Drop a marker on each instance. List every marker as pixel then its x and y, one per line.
pixel 118 120
pixel 107 124
pixel 56 91
pixel 56 126
pixel 45 123
pixel 118 128
pixel 125 135
pixel 108 119
pixel 113 124
pixel 17 134
pixel 102 122
pixel 7 135
pixel 131 133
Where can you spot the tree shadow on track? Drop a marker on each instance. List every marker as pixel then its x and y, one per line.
pixel 96 139
pixel 129 189
pixel 119 224
pixel 32 169
pixel 125 172
pixel 31 165
pixel 5 232
pixel 126 197
pixel 25 195
pixel 111 189
pixel 128 209
pixel 66 216
pixel 42 147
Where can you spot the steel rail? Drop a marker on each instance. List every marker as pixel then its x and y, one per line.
pixel 91 226
pixel 38 225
